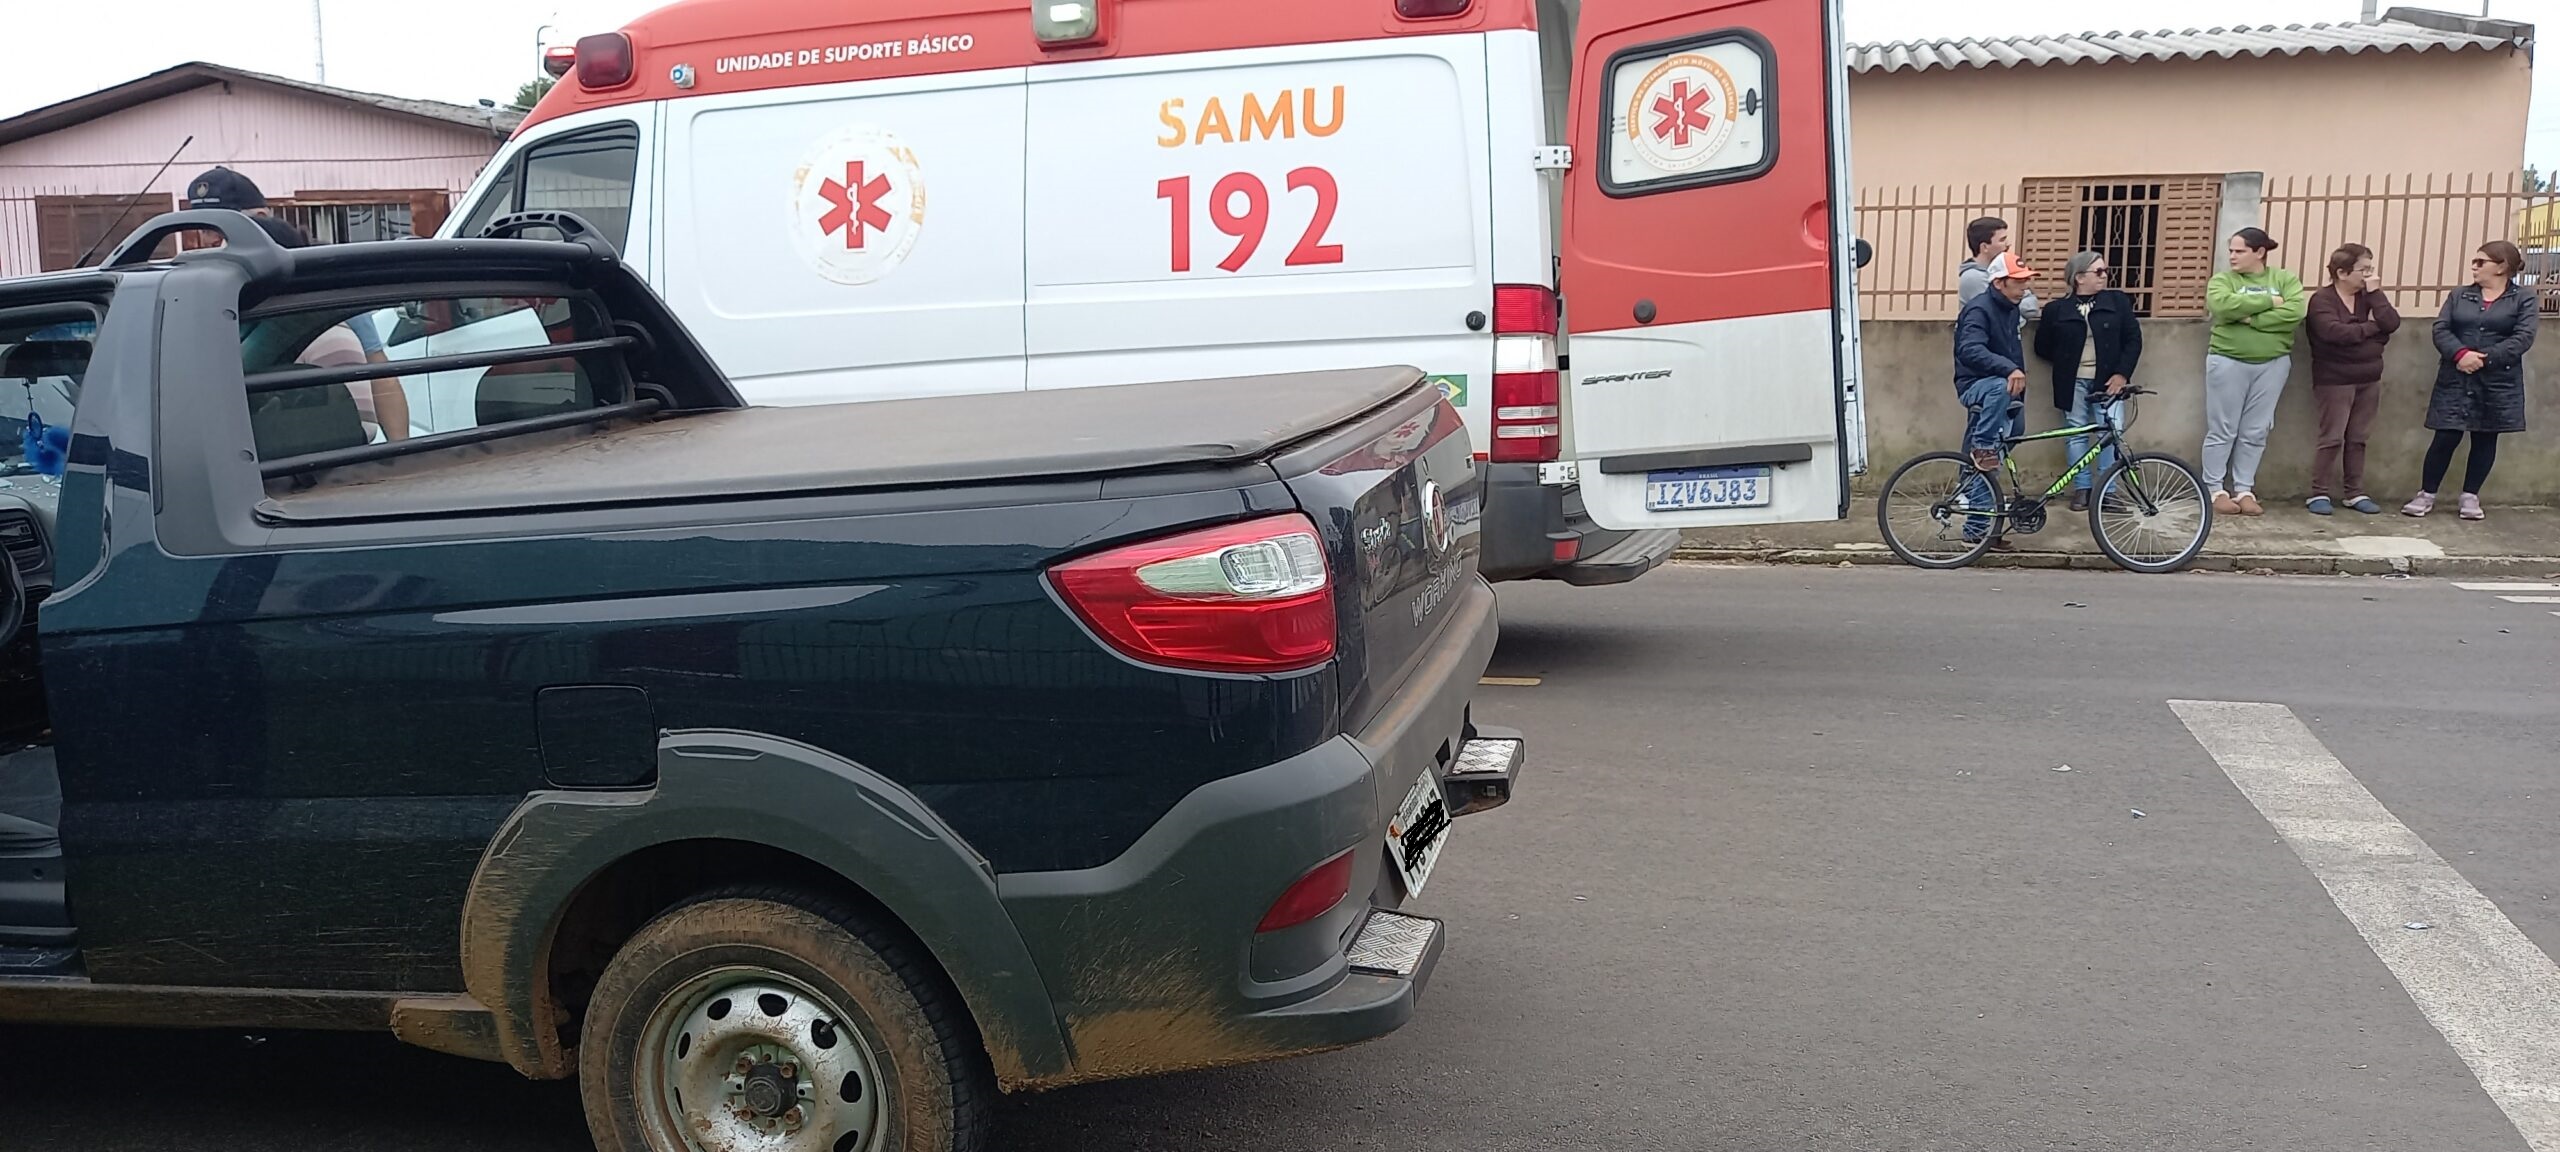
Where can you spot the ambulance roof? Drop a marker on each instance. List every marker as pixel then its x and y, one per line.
pixel 703 47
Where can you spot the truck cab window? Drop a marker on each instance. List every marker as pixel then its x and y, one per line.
pixel 331 416
pixel 589 173
pixel 43 358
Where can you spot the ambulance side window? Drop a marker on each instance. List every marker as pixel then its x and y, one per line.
pixel 589 173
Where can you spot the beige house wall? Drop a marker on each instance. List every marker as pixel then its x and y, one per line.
pixel 2311 116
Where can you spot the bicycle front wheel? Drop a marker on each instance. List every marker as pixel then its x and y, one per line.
pixel 2151 514
pixel 1937 512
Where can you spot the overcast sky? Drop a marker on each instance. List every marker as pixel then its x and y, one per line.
pixel 467 50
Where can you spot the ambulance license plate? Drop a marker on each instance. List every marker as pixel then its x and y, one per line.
pixel 1706 488
pixel 1420 828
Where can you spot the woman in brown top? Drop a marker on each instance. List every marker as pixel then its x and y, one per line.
pixel 2350 324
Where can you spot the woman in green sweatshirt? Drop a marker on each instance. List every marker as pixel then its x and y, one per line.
pixel 2256 311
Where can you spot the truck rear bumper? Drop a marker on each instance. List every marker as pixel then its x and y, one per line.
pixel 1154 962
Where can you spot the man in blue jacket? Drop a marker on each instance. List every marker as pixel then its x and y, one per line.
pixel 1991 375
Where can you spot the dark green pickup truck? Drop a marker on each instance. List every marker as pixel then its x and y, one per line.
pixel 795 778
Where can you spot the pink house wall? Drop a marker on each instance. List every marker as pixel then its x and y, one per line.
pixel 286 141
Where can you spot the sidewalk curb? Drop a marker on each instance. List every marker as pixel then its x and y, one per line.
pixel 2263 564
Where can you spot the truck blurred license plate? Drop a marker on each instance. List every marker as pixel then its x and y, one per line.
pixel 1706 488
pixel 1414 837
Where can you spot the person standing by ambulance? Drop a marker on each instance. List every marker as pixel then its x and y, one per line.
pixel 2350 327
pixel 2256 311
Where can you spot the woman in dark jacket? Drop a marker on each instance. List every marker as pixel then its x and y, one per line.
pixel 2093 342
pixel 2349 326
pixel 2483 334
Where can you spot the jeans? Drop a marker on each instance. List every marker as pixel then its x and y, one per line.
pixel 1991 413
pixel 2090 406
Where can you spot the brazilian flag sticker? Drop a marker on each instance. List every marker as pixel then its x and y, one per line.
pixel 1454 387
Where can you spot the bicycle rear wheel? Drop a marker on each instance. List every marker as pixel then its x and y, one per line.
pixel 1937 512
pixel 2150 513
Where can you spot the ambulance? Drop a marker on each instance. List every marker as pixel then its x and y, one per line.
pixel 1616 232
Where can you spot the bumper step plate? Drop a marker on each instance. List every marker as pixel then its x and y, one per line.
pixel 1392 943
pixel 1481 777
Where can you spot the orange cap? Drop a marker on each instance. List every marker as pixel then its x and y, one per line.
pixel 2007 266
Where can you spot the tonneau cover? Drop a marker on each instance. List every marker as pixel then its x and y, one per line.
pixel 941 440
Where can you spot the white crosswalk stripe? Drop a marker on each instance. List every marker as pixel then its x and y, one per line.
pixel 2531 599
pixel 2480 981
pixel 2508 586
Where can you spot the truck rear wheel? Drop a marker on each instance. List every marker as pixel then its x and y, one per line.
pixel 772 1020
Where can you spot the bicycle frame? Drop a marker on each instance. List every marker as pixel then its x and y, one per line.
pixel 2104 436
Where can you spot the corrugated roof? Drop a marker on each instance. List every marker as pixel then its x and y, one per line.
pixel 184 77
pixel 2193 44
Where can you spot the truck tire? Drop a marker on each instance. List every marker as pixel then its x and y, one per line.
pixel 773 1019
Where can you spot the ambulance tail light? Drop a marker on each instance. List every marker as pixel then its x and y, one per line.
pixel 1431 9
pixel 604 61
pixel 1528 412
pixel 558 59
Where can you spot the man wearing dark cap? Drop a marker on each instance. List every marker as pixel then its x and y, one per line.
pixel 384 403
pixel 220 187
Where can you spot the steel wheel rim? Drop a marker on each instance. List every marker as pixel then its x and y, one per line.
pixel 748 1058
pixel 2177 514
pixel 1922 512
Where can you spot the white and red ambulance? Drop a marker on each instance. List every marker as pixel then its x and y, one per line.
pixel 1617 231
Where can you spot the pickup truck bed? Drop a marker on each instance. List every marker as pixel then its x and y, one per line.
pixel 937 441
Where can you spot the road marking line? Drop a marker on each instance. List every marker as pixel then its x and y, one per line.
pixel 2494 996
pixel 1512 681
pixel 2509 586
pixel 2531 599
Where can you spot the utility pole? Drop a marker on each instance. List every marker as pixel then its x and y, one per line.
pixel 320 48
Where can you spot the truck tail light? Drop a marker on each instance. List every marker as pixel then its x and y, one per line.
pixel 1528 405
pixel 1430 9
pixel 1253 596
pixel 604 61
pixel 558 59
pixel 1313 895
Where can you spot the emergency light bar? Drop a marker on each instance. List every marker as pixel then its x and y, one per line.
pixel 1067 23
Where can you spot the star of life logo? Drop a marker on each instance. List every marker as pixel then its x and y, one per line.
pixel 857 205
pixel 1681 114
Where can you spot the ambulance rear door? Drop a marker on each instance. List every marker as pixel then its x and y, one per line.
pixel 1705 264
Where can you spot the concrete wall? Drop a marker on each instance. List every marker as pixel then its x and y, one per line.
pixel 2286 116
pixel 1911 408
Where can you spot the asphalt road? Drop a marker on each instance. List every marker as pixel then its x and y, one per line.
pixel 1792 869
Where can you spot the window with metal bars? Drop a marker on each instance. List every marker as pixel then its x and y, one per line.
pixel 2157 233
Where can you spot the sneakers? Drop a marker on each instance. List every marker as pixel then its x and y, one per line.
pixel 1986 459
pixel 2365 505
pixel 2419 505
pixel 2471 509
pixel 2224 505
pixel 2079 499
pixel 2248 504
pixel 2320 506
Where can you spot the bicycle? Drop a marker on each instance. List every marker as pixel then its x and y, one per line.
pixel 2149 513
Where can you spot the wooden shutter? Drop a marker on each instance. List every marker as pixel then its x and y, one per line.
pixel 2048 231
pixel 69 226
pixel 2190 207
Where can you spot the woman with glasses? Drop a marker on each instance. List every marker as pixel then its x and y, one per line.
pixel 2482 335
pixel 2093 341
pixel 2350 326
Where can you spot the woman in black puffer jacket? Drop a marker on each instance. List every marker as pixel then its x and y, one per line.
pixel 2483 334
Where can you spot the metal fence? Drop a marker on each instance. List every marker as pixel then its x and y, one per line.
pixel 2422 228
pixel 1918 236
